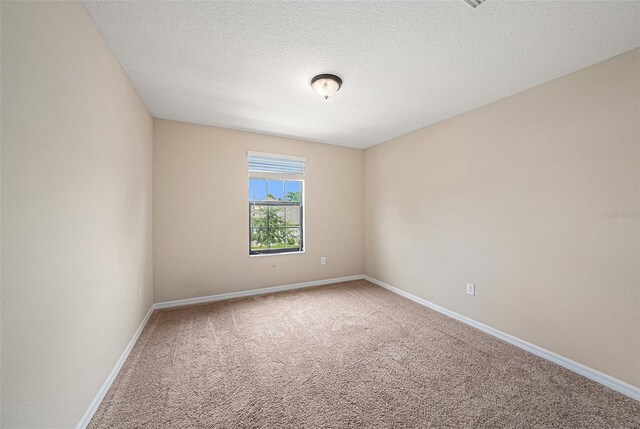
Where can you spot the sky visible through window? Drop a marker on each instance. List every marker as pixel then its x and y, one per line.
pixel 278 189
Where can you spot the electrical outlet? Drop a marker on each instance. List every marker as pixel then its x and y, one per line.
pixel 323 260
pixel 471 289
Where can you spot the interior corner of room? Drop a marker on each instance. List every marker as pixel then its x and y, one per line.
pixel 515 211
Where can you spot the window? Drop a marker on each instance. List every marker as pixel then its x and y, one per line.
pixel 276 189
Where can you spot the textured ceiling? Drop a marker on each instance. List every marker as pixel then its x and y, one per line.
pixel 405 65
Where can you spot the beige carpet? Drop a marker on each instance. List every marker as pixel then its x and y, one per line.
pixel 345 355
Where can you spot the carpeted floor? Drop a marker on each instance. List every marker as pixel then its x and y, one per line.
pixel 345 355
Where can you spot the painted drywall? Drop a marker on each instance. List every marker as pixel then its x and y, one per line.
pixel 201 213
pixel 536 200
pixel 76 213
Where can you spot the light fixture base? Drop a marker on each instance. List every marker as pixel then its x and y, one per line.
pixel 326 85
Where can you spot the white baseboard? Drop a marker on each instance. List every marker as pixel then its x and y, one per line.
pixel 262 291
pixel 595 375
pixel 86 418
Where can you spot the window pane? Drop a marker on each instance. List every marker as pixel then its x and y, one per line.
pixel 293 238
pixel 257 189
pixel 267 216
pixel 275 216
pixel 282 236
pixel 258 216
pixel 259 239
pixel 275 190
pixel 273 238
pixel 293 191
pixel 293 215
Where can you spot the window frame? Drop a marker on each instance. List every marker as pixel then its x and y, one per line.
pixel 273 252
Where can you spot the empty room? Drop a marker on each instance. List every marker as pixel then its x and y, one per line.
pixel 319 214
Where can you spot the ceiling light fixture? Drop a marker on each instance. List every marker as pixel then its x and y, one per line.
pixel 326 85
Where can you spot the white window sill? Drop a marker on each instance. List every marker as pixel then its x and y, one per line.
pixel 259 255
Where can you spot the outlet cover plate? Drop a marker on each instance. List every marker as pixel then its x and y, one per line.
pixel 471 289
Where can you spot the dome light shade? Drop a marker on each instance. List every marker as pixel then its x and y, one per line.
pixel 326 85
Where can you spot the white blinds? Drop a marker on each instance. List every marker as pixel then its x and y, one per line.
pixel 265 165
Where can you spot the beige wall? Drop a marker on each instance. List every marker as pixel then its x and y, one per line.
pixel 76 213
pixel 201 217
pixel 536 199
